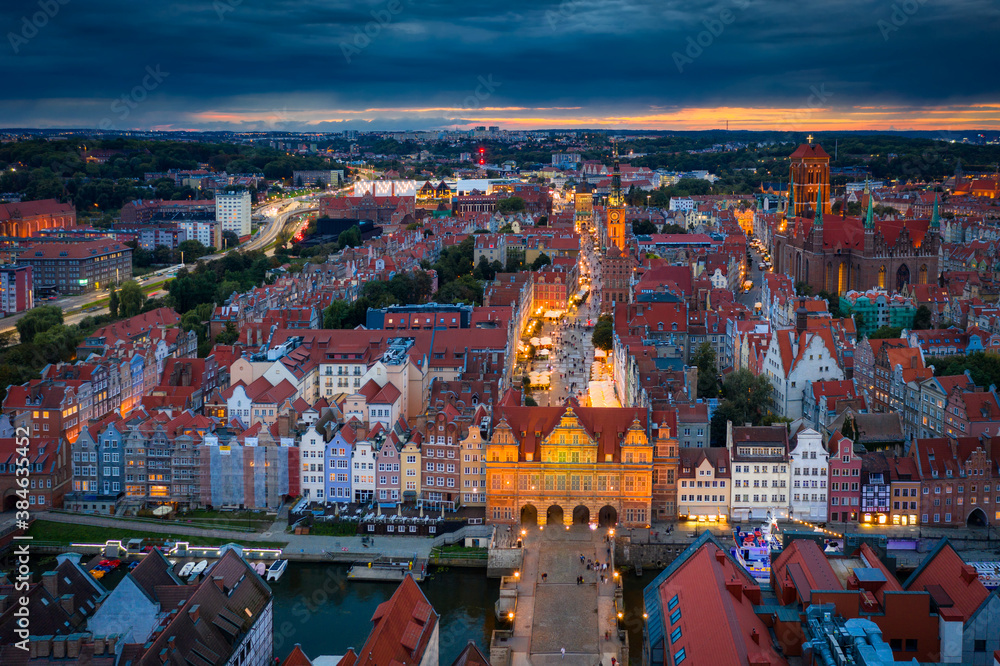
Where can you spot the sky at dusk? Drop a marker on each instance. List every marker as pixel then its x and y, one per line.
pixel 329 65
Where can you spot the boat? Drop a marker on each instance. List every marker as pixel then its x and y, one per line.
pixel 276 569
pixel 198 568
pixel 260 568
pixel 186 570
pixel 753 549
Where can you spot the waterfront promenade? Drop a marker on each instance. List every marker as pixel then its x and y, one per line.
pixel 557 612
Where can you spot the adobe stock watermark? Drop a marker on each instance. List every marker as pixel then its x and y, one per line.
pixel 714 27
pixel 363 36
pixel 223 7
pixel 483 92
pixel 123 106
pixel 30 25
pixel 900 16
pixel 818 96
pixel 566 9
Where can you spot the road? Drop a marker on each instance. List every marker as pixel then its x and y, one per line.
pixel 72 306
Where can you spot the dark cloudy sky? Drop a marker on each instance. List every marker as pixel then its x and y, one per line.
pixel 691 64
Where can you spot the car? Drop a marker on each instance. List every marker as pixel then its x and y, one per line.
pixel 52 298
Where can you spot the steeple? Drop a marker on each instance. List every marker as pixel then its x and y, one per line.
pixel 790 204
pixel 935 218
pixel 818 220
pixel 870 215
pixel 615 199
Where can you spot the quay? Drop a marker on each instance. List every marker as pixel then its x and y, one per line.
pixel 552 611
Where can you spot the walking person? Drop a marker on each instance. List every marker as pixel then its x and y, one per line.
pixel 563 651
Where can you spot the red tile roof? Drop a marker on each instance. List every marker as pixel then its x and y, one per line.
pixel 402 629
pixel 953 584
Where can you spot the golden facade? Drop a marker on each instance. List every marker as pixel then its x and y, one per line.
pixel 551 465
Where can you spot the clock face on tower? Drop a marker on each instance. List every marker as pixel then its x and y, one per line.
pixel 613 216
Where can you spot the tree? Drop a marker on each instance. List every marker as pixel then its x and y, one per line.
pixel 708 380
pixel 229 240
pixel 130 299
pixel 603 337
pixel 229 335
pixel 529 401
pixel 349 238
pixel 113 302
pixel 511 205
pixel 832 303
pixel 58 343
pixel 746 398
pixel 541 260
pixel 38 319
pixel 803 289
pixel 849 429
pixel 335 314
pixel 885 332
pixel 643 228
pixel 922 318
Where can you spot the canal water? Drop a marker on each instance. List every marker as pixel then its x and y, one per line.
pixel 317 606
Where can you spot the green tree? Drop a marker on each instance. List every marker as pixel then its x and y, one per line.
pixel 38 319
pixel 922 318
pixel 511 205
pixel 603 336
pixel 349 238
pixel 130 299
pixel 849 429
pixel 541 260
pixel 228 335
pixel 832 303
pixel 885 332
pixel 643 228
pixel 746 399
pixel 229 240
pixel 335 314
pixel 708 375
pixel 113 302
pixel 58 343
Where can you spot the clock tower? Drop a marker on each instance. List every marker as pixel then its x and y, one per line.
pixel 616 208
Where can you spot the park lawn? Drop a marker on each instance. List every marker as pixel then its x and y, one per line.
pixel 66 533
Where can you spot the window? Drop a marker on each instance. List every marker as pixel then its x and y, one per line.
pixel 911 644
pixel 679 656
pixel 672 604
pixel 979 646
pixel 675 635
pixel 675 616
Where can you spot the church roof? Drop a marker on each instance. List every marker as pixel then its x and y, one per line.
pixel 810 151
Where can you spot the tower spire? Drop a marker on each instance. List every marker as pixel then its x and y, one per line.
pixel 818 220
pixel 935 217
pixel 615 198
pixel 790 206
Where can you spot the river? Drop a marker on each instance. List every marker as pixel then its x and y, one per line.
pixel 317 606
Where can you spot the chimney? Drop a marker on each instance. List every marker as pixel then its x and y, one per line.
pixel 735 588
pixel 913 361
pixel 194 613
pixel 73 646
pixel 220 583
pixel 59 647
pixel 98 645
pixel 172 642
pixel 50 581
pixel 112 643
pixel 969 573
pixel 720 556
pixel 44 646
pixel 66 601
pixel 754 636
pixel 801 316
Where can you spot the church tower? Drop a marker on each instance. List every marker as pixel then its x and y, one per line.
pixel 616 208
pixel 810 168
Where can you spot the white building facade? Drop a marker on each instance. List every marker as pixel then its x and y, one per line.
pixel 363 472
pixel 312 450
pixel 760 472
pixel 232 212
pixel 794 359
pixel 810 468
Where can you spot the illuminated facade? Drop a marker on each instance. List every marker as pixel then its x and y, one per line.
pixel 572 465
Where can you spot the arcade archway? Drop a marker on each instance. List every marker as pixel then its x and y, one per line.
pixel 554 515
pixel 581 515
pixel 608 516
pixel 529 515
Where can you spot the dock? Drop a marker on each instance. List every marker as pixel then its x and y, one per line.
pixel 388 569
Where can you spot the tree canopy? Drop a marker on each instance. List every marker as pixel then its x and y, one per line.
pixel 602 336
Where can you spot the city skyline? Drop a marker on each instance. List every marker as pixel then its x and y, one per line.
pixel 327 66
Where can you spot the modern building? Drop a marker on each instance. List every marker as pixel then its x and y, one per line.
pixel 78 267
pixel 232 212
pixel 16 289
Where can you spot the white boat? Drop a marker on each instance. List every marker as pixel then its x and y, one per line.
pixel 276 569
pixel 260 568
pixel 186 570
pixel 198 568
